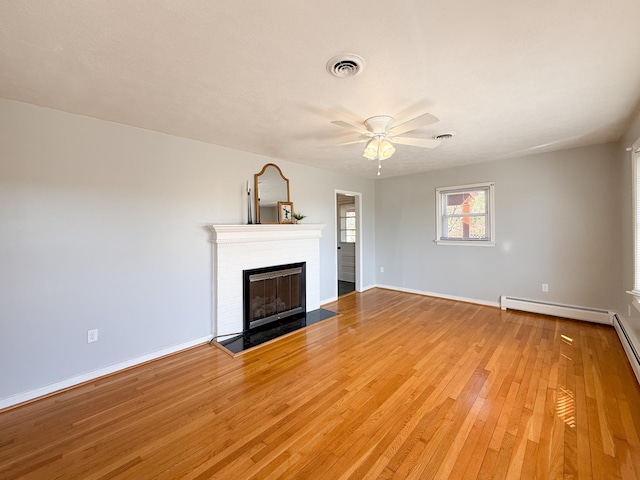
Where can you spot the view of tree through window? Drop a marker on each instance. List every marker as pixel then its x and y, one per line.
pixel 465 213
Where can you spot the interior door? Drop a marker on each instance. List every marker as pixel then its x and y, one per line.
pixel 347 262
pixel 346 238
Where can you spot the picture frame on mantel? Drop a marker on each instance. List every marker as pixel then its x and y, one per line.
pixel 285 212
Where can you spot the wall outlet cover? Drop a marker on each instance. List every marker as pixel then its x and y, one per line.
pixel 92 335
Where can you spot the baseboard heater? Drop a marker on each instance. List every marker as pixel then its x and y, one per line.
pixel 628 345
pixel 557 310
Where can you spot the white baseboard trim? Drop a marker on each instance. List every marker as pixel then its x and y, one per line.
pixel 629 342
pixel 86 377
pixel 441 295
pixel 327 300
pixel 335 299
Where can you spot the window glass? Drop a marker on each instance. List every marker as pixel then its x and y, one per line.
pixel 636 219
pixel 348 223
pixel 465 213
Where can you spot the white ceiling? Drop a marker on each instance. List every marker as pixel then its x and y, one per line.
pixel 508 77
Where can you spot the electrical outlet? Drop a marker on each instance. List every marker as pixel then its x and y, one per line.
pixel 545 287
pixel 381 269
pixel 92 335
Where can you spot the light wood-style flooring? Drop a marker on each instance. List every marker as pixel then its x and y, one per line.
pixel 398 386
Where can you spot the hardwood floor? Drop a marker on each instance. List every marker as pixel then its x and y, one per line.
pixel 398 386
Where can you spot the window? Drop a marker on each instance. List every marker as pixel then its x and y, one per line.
pixel 636 219
pixel 465 215
pixel 348 223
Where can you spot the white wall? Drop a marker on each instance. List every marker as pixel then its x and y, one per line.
pixel 103 226
pixel 557 222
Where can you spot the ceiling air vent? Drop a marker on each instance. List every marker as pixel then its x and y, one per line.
pixel 344 66
pixel 444 136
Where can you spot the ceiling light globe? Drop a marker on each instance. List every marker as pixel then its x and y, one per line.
pixel 385 150
pixel 371 150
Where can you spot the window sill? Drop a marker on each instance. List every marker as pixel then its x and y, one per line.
pixel 636 298
pixel 468 244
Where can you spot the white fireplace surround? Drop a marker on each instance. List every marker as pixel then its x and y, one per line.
pixel 244 247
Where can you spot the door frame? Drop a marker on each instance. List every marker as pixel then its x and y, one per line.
pixel 358 258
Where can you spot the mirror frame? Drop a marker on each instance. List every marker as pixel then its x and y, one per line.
pixel 256 190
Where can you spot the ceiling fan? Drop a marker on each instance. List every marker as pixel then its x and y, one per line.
pixel 382 134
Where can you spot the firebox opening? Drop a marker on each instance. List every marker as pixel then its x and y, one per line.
pixel 273 293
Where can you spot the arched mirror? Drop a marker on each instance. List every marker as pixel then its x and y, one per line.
pixel 271 187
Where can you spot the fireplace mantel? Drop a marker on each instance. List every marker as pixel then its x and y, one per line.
pixel 243 247
pixel 264 232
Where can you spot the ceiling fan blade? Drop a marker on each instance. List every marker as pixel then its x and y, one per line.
pixel 417 122
pixel 416 142
pixel 354 141
pixel 350 126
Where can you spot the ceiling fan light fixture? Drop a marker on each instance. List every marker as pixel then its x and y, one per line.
pixel 380 132
pixel 385 150
pixel 371 150
pixel 378 149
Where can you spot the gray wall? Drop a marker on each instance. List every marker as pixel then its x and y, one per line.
pixel 557 222
pixel 103 226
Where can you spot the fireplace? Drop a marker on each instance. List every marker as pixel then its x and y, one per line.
pixel 273 293
pixel 237 248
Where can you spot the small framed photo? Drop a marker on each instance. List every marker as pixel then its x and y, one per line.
pixel 285 212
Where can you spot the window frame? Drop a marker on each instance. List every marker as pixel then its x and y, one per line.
pixel 635 176
pixel 490 214
pixel 345 209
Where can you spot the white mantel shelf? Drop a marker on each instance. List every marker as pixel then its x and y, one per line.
pixel 265 232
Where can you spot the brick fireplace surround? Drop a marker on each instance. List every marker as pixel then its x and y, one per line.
pixel 242 247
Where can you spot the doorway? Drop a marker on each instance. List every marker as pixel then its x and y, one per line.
pixel 347 242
